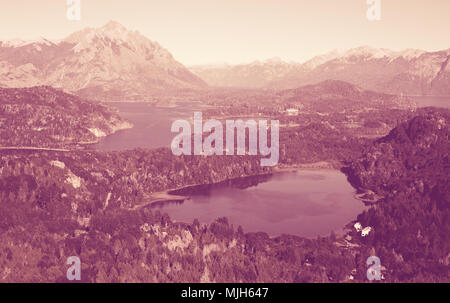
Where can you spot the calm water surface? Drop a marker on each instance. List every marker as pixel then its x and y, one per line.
pixel 306 203
pixel 151 125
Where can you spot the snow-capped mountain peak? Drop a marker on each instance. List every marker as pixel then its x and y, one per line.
pixel 410 53
pixel 369 52
pixel 114 26
pixel 106 35
pixel 410 71
pixel 105 62
pixel 12 43
pixel 20 42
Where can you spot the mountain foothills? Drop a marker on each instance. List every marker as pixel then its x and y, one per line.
pixel 45 117
pixel 330 97
pixel 409 72
pixel 92 204
pixel 106 63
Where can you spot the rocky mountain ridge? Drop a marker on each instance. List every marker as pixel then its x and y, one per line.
pixel 408 72
pixel 106 63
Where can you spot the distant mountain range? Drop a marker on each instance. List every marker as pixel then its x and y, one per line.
pixel 116 64
pixel 411 72
pixel 107 63
pixel 256 74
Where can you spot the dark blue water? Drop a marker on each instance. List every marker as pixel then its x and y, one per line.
pixel 151 125
pixel 307 203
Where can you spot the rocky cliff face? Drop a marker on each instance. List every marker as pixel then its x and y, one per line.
pixel 107 63
pixel 46 117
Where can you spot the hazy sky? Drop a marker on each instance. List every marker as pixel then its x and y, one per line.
pixel 236 31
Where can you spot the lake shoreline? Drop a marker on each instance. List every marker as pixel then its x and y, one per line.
pixel 168 196
pixel 292 200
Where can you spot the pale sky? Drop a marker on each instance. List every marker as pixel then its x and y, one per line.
pixel 238 31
